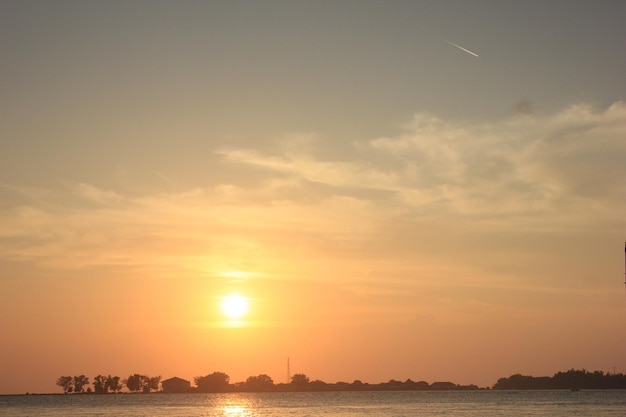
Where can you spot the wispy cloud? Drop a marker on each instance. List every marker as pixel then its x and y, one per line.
pixel 97 195
pixel 521 165
pixel 400 205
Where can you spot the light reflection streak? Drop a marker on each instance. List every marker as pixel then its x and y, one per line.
pixel 235 406
pixel 234 411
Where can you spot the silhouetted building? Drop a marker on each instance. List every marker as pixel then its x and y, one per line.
pixel 176 384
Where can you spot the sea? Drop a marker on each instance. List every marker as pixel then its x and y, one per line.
pixel 596 403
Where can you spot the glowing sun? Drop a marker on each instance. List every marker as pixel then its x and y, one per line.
pixel 234 306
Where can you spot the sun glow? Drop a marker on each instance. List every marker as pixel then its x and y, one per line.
pixel 234 306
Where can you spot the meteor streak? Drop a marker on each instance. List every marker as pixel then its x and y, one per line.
pixel 461 48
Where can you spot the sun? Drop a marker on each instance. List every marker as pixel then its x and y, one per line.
pixel 234 306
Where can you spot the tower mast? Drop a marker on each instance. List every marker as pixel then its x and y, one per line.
pixel 289 370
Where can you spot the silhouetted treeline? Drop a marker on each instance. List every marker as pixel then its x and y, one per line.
pixel 572 379
pixel 220 382
pixel 105 384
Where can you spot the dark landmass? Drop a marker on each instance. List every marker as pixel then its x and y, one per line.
pixel 572 379
pixel 220 382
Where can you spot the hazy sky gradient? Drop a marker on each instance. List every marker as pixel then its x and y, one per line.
pixel 393 206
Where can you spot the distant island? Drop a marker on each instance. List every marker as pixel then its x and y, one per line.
pixel 572 379
pixel 220 382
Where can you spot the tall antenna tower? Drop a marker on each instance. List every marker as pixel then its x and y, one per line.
pixel 289 370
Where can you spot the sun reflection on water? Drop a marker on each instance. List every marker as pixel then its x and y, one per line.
pixel 236 407
pixel 235 411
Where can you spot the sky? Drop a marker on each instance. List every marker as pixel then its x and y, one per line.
pixel 390 205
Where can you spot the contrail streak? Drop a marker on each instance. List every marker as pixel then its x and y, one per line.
pixel 461 48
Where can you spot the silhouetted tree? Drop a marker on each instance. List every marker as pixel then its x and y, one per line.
pixel 151 383
pixel 143 383
pixel 65 382
pixel 113 383
pixel 215 382
pixel 100 384
pixel 357 385
pixel 299 381
pixel 392 385
pixel 338 386
pixel 79 383
pixel 319 385
pixel 259 383
pixel 135 382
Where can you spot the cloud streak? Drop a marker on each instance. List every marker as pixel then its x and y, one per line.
pixel 460 47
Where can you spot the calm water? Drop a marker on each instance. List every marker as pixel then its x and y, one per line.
pixel 342 404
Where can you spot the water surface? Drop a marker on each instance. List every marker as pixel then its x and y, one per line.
pixel 600 403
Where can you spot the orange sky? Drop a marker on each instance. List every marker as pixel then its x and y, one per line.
pixel 391 206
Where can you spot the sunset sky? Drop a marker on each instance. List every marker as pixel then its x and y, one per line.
pixel 389 205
